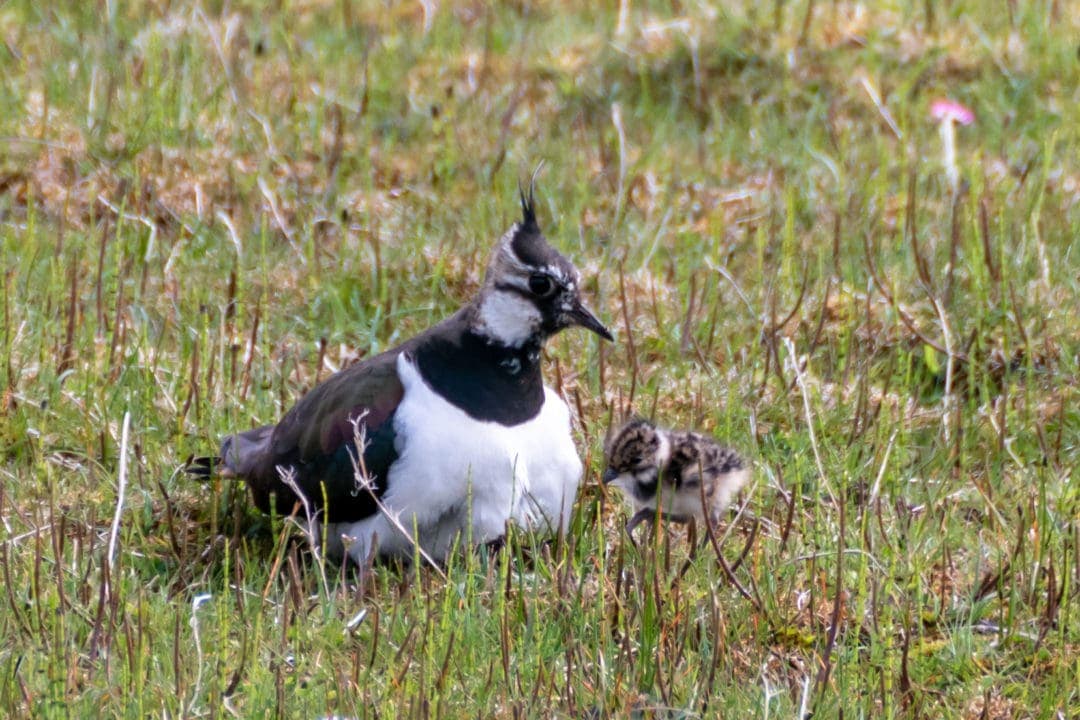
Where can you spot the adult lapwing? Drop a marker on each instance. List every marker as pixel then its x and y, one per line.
pixel 459 433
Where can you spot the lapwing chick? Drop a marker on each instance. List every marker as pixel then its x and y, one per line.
pixel 460 434
pixel 684 475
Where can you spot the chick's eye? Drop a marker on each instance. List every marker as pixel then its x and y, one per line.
pixel 541 285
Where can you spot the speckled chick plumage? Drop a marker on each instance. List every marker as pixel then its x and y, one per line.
pixel 685 474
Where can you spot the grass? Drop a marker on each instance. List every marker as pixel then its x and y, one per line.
pixel 207 207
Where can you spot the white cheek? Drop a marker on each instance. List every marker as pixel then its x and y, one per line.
pixel 509 318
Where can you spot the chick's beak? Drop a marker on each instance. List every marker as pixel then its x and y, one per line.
pixel 609 475
pixel 578 314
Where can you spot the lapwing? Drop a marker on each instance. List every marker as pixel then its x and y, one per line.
pixel 683 474
pixel 460 434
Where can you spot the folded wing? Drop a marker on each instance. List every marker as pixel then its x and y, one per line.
pixel 317 445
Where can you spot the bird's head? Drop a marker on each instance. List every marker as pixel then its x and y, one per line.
pixel 635 454
pixel 530 290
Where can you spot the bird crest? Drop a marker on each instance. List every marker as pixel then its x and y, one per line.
pixel 528 210
pixel 526 243
pixel 528 202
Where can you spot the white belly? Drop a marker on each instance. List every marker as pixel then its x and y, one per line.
pixel 456 476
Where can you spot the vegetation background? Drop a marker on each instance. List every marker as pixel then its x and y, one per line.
pixel 208 206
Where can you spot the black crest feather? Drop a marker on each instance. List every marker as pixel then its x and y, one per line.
pixel 528 243
pixel 528 209
pixel 528 201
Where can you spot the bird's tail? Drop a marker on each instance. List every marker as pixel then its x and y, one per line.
pixel 205 468
pixel 240 454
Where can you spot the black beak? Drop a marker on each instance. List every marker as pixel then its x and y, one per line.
pixel 581 315
pixel 609 475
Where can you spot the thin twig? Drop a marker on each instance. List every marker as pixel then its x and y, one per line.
pixel 616 120
pixel 311 530
pixel 947 400
pixel 891 299
pixel 727 276
pixel 881 471
pixel 196 603
pixel 631 352
pixel 834 623
pixel 804 391
pixel 114 531
pixel 366 482
pixel 710 532
pixel 875 98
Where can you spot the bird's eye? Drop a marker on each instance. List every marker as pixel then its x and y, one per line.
pixel 541 285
